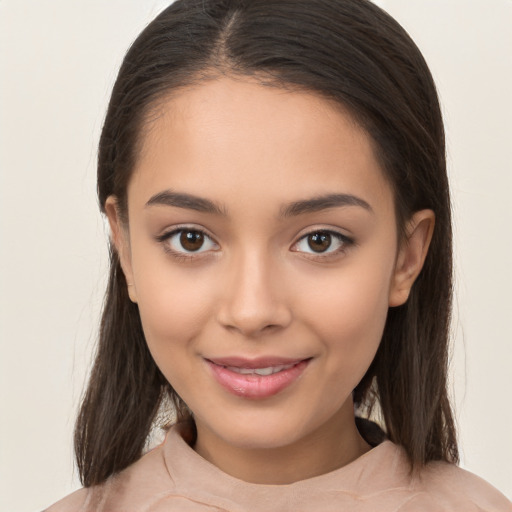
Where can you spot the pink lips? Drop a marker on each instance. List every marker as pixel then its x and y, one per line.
pixel 258 378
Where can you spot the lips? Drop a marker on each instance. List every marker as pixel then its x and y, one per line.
pixel 257 378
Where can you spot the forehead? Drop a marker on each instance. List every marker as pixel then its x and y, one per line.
pixel 242 141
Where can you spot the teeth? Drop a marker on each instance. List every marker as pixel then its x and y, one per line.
pixel 243 371
pixel 266 371
pixel 259 371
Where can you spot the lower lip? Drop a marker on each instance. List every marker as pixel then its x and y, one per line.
pixel 257 386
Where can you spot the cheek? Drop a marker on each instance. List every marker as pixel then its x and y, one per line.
pixel 349 313
pixel 174 306
pixel 173 314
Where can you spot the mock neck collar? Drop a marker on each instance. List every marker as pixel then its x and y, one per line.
pixel 202 481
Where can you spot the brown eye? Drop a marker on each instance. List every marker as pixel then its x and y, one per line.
pixel 319 242
pixel 191 240
pixel 188 241
pixel 323 243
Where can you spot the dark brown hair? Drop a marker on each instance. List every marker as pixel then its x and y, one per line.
pixel 349 51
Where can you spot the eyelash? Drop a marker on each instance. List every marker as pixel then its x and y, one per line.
pixel 344 241
pixel 165 238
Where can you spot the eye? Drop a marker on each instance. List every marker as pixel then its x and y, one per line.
pixel 322 242
pixel 188 241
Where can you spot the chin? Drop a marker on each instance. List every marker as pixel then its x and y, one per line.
pixel 263 431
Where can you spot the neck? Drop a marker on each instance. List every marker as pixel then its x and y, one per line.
pixel 332 446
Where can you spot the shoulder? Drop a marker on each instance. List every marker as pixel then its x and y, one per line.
pixel 133 488
pixel 457 489
pixel 438 486
pixel 73 502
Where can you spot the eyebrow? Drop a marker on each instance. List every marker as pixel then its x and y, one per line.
pixel 188 201
pixel 324 202
pixel 201 204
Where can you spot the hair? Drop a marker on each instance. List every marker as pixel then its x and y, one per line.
pixel 349 51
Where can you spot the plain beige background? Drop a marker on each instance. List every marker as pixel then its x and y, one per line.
pixel 58 60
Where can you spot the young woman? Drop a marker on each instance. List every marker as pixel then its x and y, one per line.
pixel 274 177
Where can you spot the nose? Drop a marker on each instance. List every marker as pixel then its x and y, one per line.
pixel 253 302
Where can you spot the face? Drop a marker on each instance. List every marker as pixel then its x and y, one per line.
pixel 261 249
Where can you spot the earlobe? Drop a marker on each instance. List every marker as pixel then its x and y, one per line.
pixel 120 239
pixel 411 256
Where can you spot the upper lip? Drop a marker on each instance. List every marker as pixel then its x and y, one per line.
pixel 259 362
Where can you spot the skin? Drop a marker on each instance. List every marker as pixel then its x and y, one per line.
pixel 256 288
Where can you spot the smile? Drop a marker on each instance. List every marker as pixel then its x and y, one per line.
pixel 257 379
pixel 269 370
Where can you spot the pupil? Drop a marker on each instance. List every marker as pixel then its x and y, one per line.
pixel 319 242
pixel 191 240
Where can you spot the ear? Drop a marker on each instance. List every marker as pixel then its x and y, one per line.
pixel 411 255
pixel 120 239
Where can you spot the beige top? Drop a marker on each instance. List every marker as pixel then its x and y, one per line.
pixel 173 477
